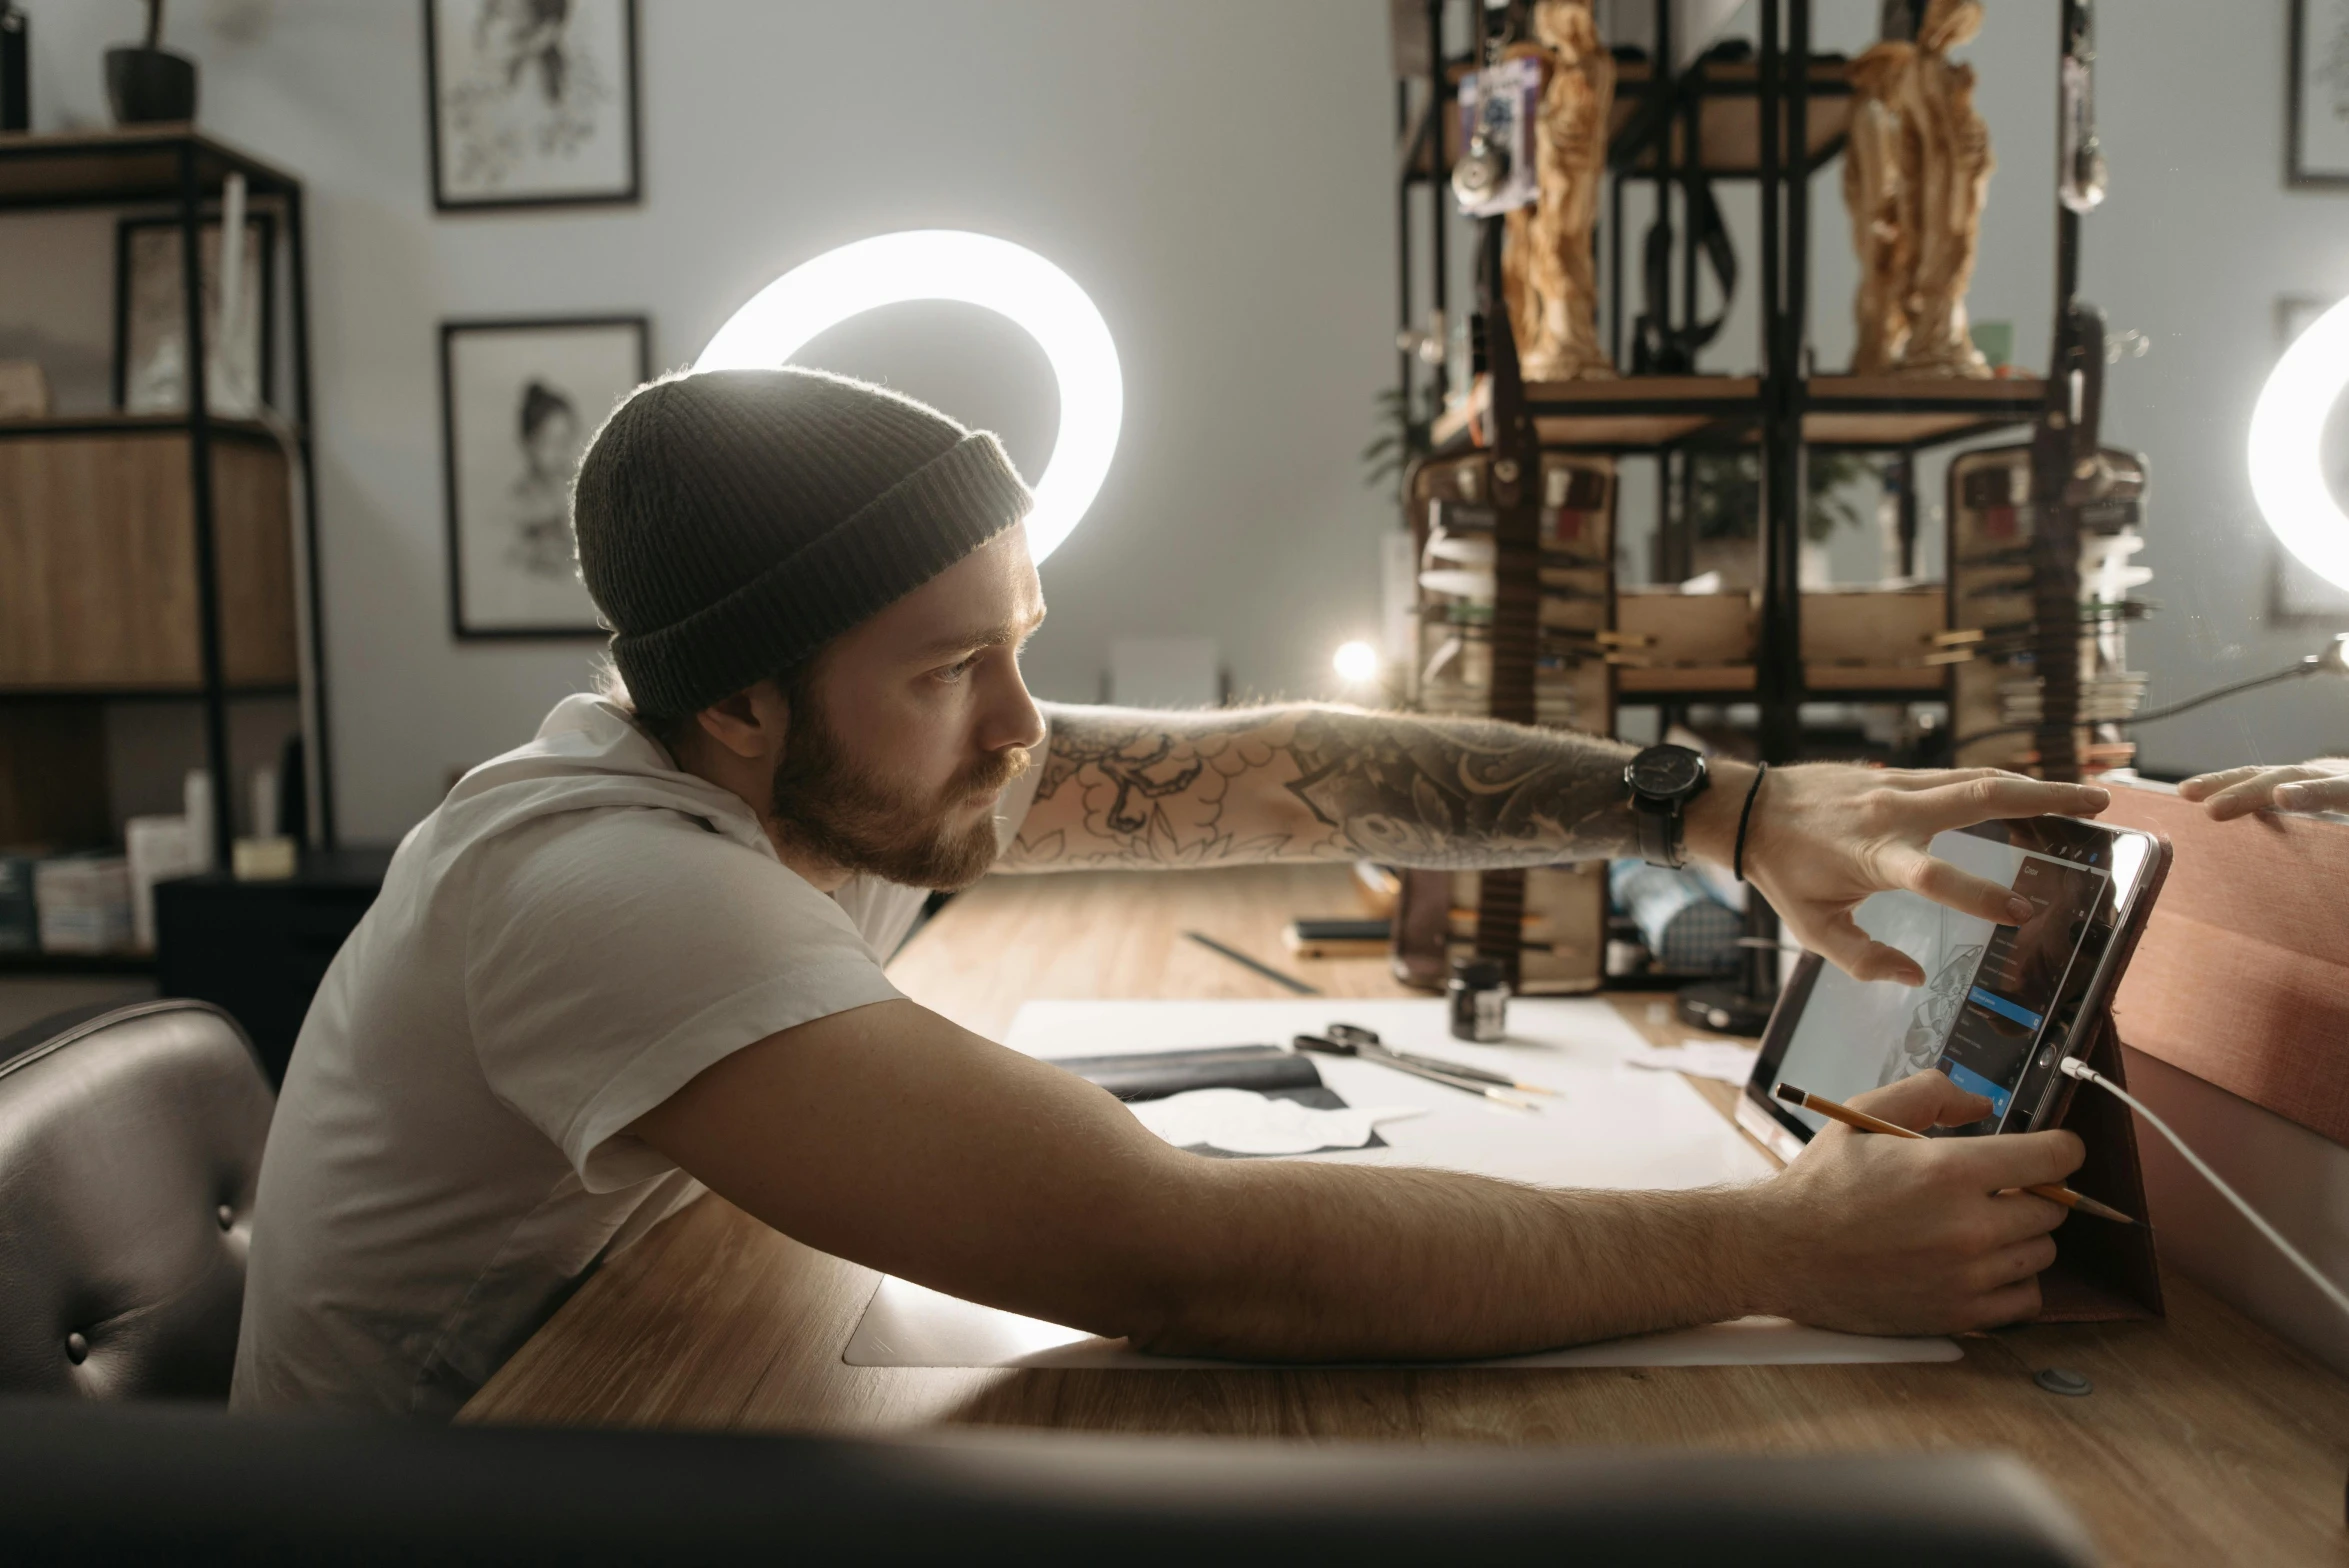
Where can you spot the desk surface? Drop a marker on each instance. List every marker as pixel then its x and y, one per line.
pixel 2205 1440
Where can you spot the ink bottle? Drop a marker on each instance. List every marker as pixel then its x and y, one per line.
pixel 1480 1000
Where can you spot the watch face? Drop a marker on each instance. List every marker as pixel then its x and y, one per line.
pixel 1665 771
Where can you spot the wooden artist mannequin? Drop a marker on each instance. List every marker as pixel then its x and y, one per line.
pixel 1548 273
pixel 1916 173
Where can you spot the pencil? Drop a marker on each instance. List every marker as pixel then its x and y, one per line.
pixel 1835 1111
pixel 1245 962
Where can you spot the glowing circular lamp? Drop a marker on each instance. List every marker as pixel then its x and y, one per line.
pixel 1356 663
pixel 975 269
pixel 2286 449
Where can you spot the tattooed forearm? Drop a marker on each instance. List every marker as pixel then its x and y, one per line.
pixel 1123 787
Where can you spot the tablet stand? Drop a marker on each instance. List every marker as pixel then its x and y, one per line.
pixel 2103 1272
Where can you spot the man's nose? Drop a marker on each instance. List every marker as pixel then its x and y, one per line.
pixel 1013 718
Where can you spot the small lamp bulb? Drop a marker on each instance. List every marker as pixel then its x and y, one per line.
pixel 1356 663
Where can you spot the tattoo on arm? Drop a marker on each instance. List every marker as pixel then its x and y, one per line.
pixel 1128 788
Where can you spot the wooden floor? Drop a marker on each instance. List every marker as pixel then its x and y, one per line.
pixel 2205 1439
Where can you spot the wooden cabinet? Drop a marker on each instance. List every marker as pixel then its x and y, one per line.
pixel 98 581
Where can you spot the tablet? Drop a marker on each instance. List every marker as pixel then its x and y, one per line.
pixel 2001 1005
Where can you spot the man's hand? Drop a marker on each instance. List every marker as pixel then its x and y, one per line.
pixel 2321 784
pixel 1825 836
pixel 1873 1234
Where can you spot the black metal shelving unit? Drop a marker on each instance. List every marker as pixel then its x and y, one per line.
pixel 1669 128
pixel 1665 122
pixel 184 172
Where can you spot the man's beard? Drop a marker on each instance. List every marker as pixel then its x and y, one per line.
pixel 826 806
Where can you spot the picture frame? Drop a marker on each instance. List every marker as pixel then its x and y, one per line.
pixel 150 320
pixel 2296 596
pixel 2316 132
pixel 531 106
pixel 520 398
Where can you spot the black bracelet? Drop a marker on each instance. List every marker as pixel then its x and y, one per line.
pixel 1737 861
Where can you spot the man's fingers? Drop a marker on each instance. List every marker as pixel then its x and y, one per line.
pixel 2327 794
pixel 2263 788
pixel 1945 884
pixel 2010 1265
pixel 2013 1304
pixel 2204 785
pixel 2020 1216
pixel 1922 1100
pixel 1966 802
pixel 1842 943
pixel 2318 785
pixel 2023 1159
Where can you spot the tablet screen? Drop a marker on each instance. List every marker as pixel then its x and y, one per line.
pixel 1989 992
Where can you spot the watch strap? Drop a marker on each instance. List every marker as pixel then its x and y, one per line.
pixel 1659 823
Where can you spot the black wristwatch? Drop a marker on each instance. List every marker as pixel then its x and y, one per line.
pixel 1662 781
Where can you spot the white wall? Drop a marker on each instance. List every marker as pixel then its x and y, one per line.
pixel 1214 172
pixel 2193 246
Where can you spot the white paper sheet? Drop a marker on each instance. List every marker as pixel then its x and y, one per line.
pixel 1611 1125
pixel 1718 1059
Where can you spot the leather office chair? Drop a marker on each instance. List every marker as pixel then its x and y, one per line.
pixel 139 1483
pixel 130 1143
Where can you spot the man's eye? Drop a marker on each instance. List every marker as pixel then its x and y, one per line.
pixel 957 670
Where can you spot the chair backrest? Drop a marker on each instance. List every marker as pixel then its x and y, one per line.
pixel 130 1146
pixel 136 1483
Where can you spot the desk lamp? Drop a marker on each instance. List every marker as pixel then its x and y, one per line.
pixel 2288 479
pixel 975 269
pixel 2287 447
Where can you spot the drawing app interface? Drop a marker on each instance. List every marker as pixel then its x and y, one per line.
pixel 1987 993
pixel 2021 973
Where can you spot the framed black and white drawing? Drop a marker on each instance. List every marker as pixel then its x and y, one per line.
pixel 519 400
pixel 2317 139
pixel 151 321
pixel 531 103
pixel 2296 595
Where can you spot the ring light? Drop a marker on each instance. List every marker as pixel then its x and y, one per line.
pixel 975 269
pixel 2287 438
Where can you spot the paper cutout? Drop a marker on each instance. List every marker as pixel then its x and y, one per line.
pixel 1241 1121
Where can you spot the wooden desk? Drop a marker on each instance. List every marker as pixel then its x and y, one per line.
pixel 2206 1440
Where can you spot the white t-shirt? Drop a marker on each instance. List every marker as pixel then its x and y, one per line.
pixel 576 932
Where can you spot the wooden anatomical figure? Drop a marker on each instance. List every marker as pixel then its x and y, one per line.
pixel 1916 172
pixel 1547 269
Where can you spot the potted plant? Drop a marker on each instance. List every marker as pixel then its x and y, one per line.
pixel 145 83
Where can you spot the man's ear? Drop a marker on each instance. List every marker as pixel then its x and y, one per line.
pixel 751 723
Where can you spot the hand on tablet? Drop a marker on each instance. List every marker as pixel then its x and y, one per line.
pixel 1825 836
pixel 1882 1235
pixel 2321 784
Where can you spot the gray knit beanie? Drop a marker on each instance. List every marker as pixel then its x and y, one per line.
pixel 731 523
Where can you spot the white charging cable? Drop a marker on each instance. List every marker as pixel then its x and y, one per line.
pixel 2081 1070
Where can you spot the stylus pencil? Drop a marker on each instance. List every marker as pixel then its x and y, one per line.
pixel 1291 982
pixel 1837 1112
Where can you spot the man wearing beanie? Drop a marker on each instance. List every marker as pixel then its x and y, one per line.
pixel 641 956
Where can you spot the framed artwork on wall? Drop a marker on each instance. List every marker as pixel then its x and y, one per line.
pixel 2297 596
pixel 151 321
pixel 531 103
pixel 519 400
pixel 2317 139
